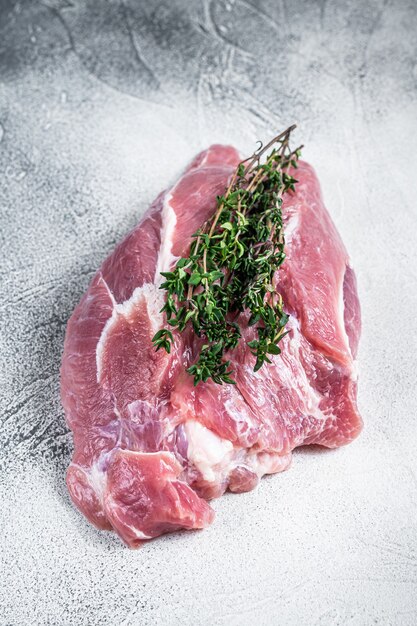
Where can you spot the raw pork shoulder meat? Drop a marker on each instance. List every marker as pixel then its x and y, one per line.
pixel 150 448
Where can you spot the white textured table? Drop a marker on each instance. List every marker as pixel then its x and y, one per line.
pixel 101 105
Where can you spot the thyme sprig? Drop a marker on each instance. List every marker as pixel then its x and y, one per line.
pixel 230 268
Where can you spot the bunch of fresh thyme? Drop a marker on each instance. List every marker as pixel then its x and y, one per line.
pixel 231 264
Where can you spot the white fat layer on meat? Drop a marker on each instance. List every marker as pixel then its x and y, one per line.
pixel 215 458
pixel 160 453
pixel 205 159
pixel 267 463
pixel 138 534
pixel 98 479
pixel 291 227
pixel 110 294
pixel 165 256
pixel 206 450
pixel 154 301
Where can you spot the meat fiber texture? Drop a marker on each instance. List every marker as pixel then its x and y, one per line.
pixel 150 449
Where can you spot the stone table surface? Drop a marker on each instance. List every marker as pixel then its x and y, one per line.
pixel 102 104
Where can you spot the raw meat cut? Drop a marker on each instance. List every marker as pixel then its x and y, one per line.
pixel 150 449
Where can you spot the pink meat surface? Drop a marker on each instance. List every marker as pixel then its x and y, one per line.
pixel 150 449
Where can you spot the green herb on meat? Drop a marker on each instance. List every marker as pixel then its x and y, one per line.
pixel 231 265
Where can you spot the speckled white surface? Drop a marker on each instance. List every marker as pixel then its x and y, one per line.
pixel 101 105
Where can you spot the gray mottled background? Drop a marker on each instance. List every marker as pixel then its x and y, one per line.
pixel 102 103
